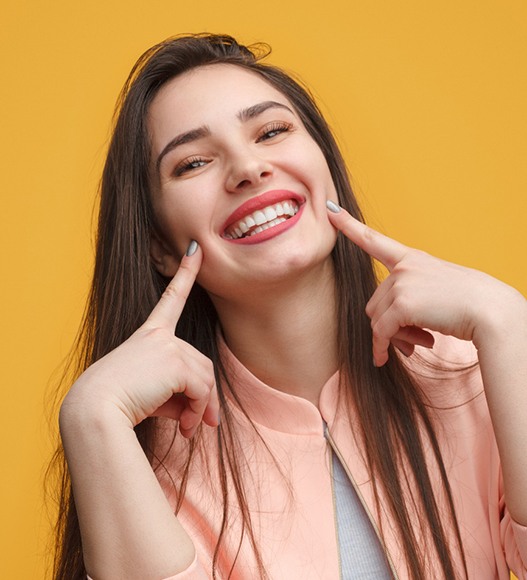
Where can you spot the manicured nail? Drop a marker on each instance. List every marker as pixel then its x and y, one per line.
pixel 192 247
pixel 332 206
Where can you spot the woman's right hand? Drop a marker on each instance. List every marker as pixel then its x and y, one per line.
pixel 154 373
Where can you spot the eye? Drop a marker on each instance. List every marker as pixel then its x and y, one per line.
pixel 189 164
pixel 273 129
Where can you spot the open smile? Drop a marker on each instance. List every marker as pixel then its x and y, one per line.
pixel 263 217
pixel 261 220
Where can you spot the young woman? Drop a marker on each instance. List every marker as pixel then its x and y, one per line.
pixel 253 404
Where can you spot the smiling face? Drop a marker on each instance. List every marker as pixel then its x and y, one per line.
pixel 234 168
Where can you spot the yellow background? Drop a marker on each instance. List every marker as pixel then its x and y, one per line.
pixel 429 100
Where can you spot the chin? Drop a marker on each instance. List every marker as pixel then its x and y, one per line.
pixel 285 265
pixel 293 266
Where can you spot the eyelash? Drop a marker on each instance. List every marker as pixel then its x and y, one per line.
pixel 264 135
pixel 189 165
pixel 275 127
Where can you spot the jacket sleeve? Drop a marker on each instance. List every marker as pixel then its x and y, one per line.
pixel 194 572
pixel 508 537
pixel 514 542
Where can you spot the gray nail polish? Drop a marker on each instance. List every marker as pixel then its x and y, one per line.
pixel 192 247
pixel 332 206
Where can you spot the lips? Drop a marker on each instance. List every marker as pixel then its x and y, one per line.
pixel 261 220
pixel 263 217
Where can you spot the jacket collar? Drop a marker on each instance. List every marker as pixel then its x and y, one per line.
pixel 275 409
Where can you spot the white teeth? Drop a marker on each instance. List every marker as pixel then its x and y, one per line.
pixel 263 219
pixel 270 214
pixel 259 217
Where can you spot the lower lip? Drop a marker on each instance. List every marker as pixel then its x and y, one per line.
pixel 269 233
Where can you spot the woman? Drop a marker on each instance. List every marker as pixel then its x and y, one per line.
pixel 280 424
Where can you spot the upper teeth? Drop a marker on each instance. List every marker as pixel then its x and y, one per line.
pixel 261 219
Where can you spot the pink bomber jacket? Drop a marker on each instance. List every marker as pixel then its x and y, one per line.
pixel 289 484
pixel 290 493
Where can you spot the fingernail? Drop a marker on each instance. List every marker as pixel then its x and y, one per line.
pixel 192 247
pixel 332 206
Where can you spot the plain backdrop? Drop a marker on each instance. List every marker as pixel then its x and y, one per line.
pixel 428 100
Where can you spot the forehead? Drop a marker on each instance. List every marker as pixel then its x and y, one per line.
pixel 208 95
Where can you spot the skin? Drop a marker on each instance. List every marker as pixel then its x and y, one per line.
pixel 275 299
pixel 276 303
pixel 239 160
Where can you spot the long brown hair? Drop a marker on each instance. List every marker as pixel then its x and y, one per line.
pixel 394 421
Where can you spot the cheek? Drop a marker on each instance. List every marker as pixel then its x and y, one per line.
pixel 316 167
pixel 177 225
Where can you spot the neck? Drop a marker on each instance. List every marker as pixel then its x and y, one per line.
pixel 286 335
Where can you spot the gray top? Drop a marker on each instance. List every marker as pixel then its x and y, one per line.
pixel 361 554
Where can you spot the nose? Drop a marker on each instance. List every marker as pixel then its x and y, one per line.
pixel 247 170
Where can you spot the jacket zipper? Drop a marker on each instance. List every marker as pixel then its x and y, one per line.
pixel 335 523
pixel 335 450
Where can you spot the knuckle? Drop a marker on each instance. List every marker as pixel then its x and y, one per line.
pixel 207 372
pixel 411 258
pixel 400 268
pixel 416 257
pixel 407 264
pixel 209 366
pixel 208 385
pixel 154 333
pixel 369 235
pixel 172 291
pixel 377 331
pixel 397 291
pixel 420 254
pixel 400 304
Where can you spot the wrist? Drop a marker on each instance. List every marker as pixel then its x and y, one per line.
pixel 501 320
pixel 82 411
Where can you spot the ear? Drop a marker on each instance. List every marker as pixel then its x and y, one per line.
pixel 165 261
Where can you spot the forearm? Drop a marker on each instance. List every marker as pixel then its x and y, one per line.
pixel 128 528
pixel 502 350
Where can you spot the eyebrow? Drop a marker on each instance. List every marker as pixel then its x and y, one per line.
pixel 204 131
pixel 259 108
pixel 187 137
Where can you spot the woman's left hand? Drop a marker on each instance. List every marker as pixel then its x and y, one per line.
pixel 425 292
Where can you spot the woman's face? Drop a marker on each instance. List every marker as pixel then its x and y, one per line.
pixel 234 168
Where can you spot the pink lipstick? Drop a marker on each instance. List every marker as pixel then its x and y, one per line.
pixel 263 217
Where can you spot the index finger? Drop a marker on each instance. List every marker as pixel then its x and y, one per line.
pixel 381 247
pixel 167 311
